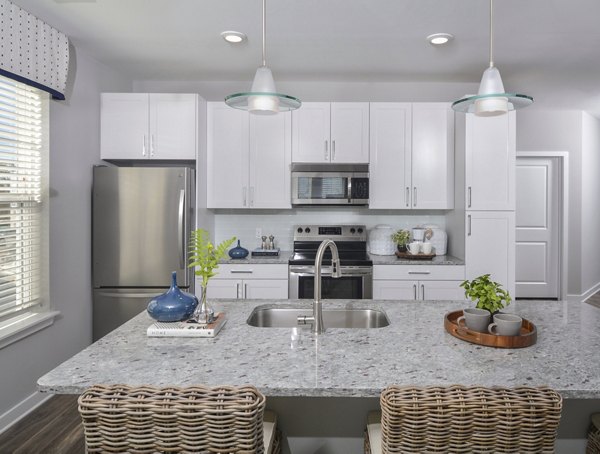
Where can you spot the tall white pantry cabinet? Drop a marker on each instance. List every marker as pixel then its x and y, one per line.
pixel 490 156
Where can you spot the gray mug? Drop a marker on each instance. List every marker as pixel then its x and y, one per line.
pixel 506 325
pixel 475 319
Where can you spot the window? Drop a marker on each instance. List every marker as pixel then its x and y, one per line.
pixel 23 203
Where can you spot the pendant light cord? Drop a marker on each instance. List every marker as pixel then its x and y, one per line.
pixel 491 33
pixel 264 33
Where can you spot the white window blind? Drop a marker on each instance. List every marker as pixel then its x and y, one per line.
pixel 22 136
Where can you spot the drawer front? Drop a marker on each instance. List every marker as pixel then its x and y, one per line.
pixel 252 271
pixel 419 272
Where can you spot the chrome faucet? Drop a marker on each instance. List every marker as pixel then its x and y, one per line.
pixel 317 318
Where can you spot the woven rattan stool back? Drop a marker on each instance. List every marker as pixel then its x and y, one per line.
pixel 459 419
pixel 195 419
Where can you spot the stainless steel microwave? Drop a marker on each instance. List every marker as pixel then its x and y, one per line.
pixel 330 184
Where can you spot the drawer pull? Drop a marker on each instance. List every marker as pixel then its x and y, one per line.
pixel 241 271
pixel 419 272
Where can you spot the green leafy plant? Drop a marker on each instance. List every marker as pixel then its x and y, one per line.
pixel 401 237
pixel 204 256
pixel 489 294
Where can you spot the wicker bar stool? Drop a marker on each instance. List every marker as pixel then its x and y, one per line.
pixel 593 444
pixel 195 419
pixel 458 419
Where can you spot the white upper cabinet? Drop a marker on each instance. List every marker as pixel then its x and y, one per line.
pixel 490 153
pixel 432 163
pixel 412 156
pixel 248 163
pixel 390 153
pixel 335 132
pixel 148 126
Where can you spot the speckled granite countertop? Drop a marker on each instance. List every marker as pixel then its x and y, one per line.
pixel 283 257
pixel 437 260
pixel 414 349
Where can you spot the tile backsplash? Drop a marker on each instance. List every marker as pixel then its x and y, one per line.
pixel 243 224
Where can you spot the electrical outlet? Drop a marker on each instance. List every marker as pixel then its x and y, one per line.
pixel 258 232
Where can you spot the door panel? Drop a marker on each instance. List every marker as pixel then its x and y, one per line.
pixel 395 290
pixel 311 132
pixel 350 132
pixel 537 221
pixel 172 126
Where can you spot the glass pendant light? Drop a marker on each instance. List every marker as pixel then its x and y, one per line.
pixel 263 98
pixel 491 100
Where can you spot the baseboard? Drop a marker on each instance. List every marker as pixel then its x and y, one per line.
pixel 569 445
pixel 592 291
pixel 22 409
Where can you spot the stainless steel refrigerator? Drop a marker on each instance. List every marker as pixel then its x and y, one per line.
pixel 141 222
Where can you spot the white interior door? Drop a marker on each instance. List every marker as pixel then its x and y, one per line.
pixel 537 219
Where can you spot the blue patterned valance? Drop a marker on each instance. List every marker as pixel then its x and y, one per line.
pixel 31 51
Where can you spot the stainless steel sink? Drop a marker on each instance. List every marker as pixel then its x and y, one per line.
pixel 278 317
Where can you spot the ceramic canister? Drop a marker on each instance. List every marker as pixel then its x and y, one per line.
pixel 380 240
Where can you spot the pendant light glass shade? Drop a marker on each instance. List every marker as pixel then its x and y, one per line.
pixel 491 99
pixel 263 99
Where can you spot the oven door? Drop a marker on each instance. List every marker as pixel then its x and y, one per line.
pixel 356 282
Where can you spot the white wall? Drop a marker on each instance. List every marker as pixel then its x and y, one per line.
pixel 74 148
pixel 540 130
pixel 590 205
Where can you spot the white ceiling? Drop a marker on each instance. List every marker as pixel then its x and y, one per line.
pixel 549 49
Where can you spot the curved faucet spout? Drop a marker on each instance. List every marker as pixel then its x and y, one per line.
pixel 317 322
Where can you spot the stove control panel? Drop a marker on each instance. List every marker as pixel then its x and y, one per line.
pixel 334 232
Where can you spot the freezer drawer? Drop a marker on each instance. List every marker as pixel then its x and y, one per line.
pixel 113 307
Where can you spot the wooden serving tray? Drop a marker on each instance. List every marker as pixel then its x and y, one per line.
pixel 527 337
pixel 409 256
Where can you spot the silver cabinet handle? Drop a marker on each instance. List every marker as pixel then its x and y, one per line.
pixel 244 196
pixel 237 290
pixel 423 291
pixel 469 196
pixel 414 196
pixel 407 197
pixel 144 145
pixel 415 290
pixel 333 150
pixel 469 225
pixel 152 145
pixel 419 272
pixel 326 151
pixel 181 228
pixel 241 271
pixel 245 291
pixel 251 196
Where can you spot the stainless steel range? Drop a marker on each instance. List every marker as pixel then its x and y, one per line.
pixel 356 266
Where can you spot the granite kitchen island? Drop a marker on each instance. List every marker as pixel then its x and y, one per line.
pixel 414 349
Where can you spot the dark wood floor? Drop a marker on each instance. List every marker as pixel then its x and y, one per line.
pixel 52 428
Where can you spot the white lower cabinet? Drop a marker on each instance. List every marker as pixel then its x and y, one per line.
pixel 248 281
pixel 420 282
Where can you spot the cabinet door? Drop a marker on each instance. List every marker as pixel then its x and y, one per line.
pixel 490 246
pixel 270 157
pixel 227 160
pixel 311 132
pixel 124 126
pixel 266 289
pixel 173 126
pixel 490 162
pixel 441 290
pixel 222 288
pixel 395 290
pixel 350 132
pixel 432 156
pixel 390 149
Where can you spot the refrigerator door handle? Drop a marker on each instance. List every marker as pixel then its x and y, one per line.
pixel 180 228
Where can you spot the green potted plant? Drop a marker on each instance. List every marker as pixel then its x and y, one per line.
pixel 204 256
pixel 489 294
pixel 401 238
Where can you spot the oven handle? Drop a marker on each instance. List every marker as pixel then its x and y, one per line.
pixel 326 271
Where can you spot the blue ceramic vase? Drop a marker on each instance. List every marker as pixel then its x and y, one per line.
pixel 174 305
pixel 238 252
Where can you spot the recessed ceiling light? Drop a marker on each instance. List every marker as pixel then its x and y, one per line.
pixel 439 38
pixel 233 37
